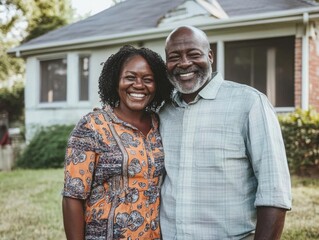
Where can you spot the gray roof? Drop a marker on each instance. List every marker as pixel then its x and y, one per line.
pixel 126 16
pixel 133 15
pixel 246 7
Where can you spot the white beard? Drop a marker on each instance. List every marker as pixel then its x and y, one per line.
pixel 201 80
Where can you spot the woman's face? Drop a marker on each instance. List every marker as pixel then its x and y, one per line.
pixel 136 84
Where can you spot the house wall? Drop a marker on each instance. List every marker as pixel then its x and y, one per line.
pixel 314 73
pixel 69 112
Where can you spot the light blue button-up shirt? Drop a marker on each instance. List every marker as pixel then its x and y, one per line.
pixel 224 155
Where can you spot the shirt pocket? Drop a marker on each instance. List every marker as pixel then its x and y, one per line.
pixel 109 165
pixel 214 146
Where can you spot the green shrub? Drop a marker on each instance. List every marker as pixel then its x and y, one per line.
pixel 46 149
pixel 301 136
pixel 12 102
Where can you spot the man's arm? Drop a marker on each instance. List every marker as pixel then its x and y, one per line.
pixel 73 218
pixel 270 223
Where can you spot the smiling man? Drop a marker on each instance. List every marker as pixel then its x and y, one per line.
pixel 227 174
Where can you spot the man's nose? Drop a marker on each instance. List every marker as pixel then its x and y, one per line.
pixel 184 62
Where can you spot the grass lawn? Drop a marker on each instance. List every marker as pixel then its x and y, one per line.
pixel 30 203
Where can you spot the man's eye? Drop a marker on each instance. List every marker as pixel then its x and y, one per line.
pixel 173 58
pixel 195 55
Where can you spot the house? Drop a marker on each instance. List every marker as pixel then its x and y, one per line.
pixel 272 45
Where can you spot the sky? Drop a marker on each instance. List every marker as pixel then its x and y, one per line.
pixel 91 7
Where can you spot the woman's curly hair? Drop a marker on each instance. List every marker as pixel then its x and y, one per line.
pixel 110 75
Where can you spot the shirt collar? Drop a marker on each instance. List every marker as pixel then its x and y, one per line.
pixel 110 112
pixel 208 92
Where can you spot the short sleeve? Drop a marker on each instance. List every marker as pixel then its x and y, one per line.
pixel 80 160
pixel 268 156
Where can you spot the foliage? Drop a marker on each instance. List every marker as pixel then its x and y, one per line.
pixel 23 20
pixel 46 149
pixel 12 102
pixel 47 16
pixel 9 65
pixel 301 135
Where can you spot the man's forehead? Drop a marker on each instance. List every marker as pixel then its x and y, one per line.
pixel 186 36
pixel 185 44
pixel 182 44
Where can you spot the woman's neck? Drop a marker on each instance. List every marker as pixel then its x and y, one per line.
pixel 139 119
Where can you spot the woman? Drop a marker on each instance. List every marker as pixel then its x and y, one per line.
pixel 114 160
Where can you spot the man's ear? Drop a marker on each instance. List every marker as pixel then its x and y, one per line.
pixel 211 56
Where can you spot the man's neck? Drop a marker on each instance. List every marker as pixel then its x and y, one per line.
pixel 191 96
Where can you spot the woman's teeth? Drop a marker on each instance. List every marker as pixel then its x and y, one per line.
pixel 137 95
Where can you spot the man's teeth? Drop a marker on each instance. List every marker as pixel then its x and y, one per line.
pixel 186 74
pixel 137 95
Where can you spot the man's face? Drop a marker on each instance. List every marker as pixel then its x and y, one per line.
pixel 189 61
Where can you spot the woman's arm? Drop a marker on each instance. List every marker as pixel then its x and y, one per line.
pixel 73 218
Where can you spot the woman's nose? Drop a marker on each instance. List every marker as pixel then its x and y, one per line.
pixel 138 83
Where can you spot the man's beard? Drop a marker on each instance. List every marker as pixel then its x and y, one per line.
pixel 202 77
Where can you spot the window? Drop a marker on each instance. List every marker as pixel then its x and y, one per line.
pixel 84 78
pixel 53 80
pixel 267 65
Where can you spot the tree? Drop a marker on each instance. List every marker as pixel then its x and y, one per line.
pixel 12 102
pixel 23 20
pixel 49 15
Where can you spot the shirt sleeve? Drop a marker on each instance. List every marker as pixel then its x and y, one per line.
pixel 268 156
pixel 80 160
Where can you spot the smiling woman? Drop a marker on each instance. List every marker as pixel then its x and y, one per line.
pixel 136 91
pixel 114 163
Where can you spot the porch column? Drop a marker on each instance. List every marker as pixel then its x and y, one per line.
pixel 305 64
pixel 220 66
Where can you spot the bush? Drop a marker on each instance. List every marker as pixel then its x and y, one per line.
pixel 46 149
pixel 12 102
pixel 301 136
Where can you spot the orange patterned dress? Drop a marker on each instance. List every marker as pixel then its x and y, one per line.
pixel 118 172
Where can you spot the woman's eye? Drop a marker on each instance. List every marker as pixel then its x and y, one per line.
pixel 130 78
pixel 148 80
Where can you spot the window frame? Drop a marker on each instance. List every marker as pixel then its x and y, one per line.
pixel 54 104
pixel 79 68
pixel 267 43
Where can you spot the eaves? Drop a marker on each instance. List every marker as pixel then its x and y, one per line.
pixel 291 16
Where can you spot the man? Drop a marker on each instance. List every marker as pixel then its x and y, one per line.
pixel 227 174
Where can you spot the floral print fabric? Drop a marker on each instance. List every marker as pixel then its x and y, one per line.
pixel 118 172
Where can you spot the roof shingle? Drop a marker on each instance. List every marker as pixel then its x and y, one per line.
pixel 133 15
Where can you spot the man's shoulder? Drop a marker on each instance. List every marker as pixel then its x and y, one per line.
pixel 164 108
pixel 241 89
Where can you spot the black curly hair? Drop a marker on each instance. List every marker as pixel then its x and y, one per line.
pixel 110 75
